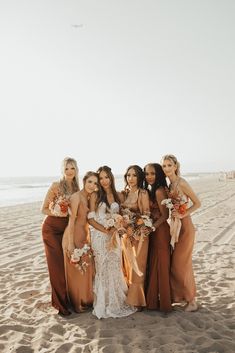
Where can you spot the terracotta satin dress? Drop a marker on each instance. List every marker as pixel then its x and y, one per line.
pixel 158 294
pixel 79 285
pixel 183 287
pixel 135 294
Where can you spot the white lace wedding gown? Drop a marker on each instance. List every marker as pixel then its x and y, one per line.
pixel 109 287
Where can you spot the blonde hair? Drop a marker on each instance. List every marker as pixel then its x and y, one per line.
pixel 75 182
pixel 172 158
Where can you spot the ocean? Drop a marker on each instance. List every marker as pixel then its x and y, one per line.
pixel 20 190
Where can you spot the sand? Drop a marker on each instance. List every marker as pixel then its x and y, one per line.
pixel 28 323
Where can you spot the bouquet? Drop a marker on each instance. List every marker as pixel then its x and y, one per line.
pixel 178 204
pixel 117 221
pixel 59 206
pixel 114 220
pixel 137 226
pixel 81 258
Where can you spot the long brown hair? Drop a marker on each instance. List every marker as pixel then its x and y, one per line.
pixel 139 173
pixel 102 196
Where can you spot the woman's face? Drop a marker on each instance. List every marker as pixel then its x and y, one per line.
pixel 91 184
pixel 69 171
pixel 169 167
pixel 104 180
pixel 131 178
pixel 150 174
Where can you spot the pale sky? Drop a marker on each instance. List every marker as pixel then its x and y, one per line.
pixel 116 82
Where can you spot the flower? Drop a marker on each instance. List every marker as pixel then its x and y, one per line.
pixel 59 206
pixel 81 258
pixel 168 203
pixel 148 222
pixel 115 220
pixel 179 204
pixel 137 226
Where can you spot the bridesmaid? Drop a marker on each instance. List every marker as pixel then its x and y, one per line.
pixel 55 207
pixel 76 235
pixel 158 284
pixel 181 277
pixel 136 199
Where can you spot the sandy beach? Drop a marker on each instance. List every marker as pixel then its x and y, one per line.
pixel 28 323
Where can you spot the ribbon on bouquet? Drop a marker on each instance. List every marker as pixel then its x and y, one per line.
pixel 130 255
pixel 114 241
pixel 175 226
pixel 140 241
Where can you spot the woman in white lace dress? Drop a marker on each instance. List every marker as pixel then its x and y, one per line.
pixel 109 285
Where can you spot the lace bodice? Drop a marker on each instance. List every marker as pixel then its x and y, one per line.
pixel 114 207
pixel 103 210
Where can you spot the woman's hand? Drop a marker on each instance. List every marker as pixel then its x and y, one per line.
pixel 178 215
pixel 111 231
pixel 145 230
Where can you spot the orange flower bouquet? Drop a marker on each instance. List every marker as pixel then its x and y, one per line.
pixel 59 207
pixel 137 226
pixel 178 204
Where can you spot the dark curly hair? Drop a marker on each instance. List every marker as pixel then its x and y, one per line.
pixel 160 180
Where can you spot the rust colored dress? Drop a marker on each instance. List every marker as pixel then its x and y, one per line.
pixel 183 287
pixel 158 294
pixel 79 285
pixel 52 232
pixel 135 294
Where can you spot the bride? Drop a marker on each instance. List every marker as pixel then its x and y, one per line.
pixel 110 287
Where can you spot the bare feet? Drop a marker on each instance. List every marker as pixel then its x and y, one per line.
pixel 191 306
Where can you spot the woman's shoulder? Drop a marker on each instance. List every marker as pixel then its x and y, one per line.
pixel 55 185
pixel 161 191
pixel 143 195
pixel 75 195
pixel 182 182
pixel 121 195
pixel 143 191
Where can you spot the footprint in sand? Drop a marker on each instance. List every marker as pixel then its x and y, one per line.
pixel 28 294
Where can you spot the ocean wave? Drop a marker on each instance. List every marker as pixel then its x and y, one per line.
pixel 33 186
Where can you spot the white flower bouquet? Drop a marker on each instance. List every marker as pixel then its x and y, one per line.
pixel 81 258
